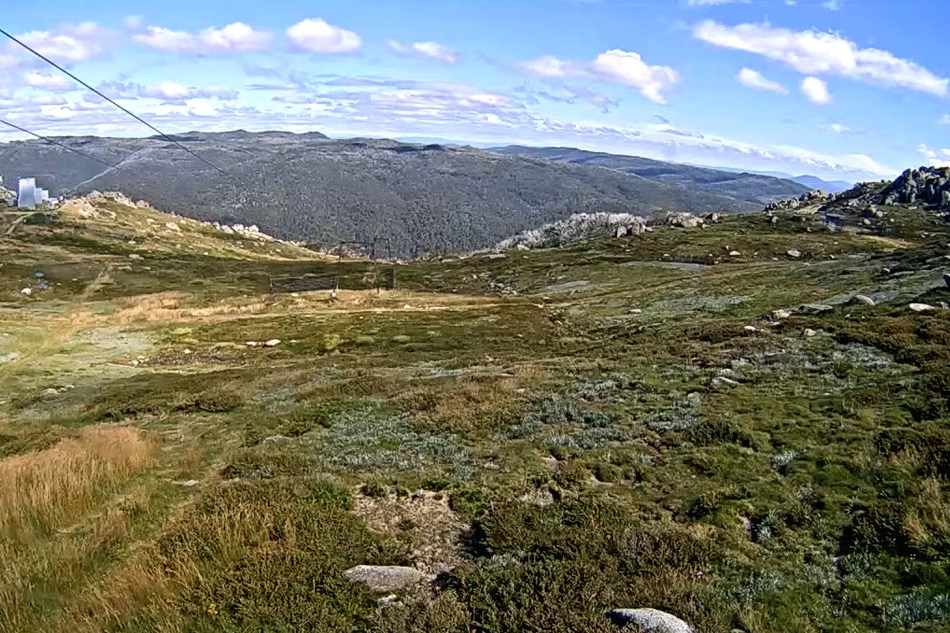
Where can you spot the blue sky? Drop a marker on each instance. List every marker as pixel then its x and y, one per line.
pixel 851 89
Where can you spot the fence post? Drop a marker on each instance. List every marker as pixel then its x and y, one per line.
pixel 339 265
pixel 392 262
pixel 375 266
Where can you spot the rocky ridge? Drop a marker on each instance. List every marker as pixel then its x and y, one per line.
pixel 927 187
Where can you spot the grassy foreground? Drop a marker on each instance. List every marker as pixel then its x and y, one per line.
pixel 620 423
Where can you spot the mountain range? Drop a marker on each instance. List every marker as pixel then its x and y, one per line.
pixel 421 197
pixel 812 182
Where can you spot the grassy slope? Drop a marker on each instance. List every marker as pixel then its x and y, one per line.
pixel 216 486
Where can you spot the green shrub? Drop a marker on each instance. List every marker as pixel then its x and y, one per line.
pixel 436 485
pixel 469 503
pixel 607 473
pixel 573 476
pixel 559 453
pixel 375 489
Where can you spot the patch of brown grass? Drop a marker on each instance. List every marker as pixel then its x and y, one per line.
pixel 45 489
pixel 47 539
pixel 470 404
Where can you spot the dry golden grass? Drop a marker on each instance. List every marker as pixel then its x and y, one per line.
pixel 166 306
pixel 48 537
pixel 42 490
pixel 102 280
pixel 929 523
pixel 148 586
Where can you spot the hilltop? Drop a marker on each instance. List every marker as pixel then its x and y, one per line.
pixel 426 198
pixel 742 424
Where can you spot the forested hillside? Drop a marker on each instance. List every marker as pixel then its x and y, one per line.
pixel 425 198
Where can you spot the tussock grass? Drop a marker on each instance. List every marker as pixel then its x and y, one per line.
pixel 45 497
pixel 254 555
pixel 45 489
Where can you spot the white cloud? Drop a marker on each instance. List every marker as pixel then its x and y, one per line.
pixel 832 5
pixel 614 66
pixel 944 120
pixel 318 36
pixel 176 92
pixel 816 91
pixel 54 83
pixel 233 38
pixel 754 79
pixel 838 128
pixel 818 53
pixel 67 44
pixel 425 49
pixel 47 100
pixel 708 3
pixel 935 157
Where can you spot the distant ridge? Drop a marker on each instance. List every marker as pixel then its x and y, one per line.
pixel 745 186
pixel 812 182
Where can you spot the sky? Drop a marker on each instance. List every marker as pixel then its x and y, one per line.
pixel 842 89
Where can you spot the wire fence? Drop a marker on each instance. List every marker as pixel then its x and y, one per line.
pixel 371 273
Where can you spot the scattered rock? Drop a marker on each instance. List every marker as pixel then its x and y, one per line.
pixel 648 621
pixel 537 498
pixel 734 253
pixel 808 198
pixel 861 300
pixel 496 256
pixel 172 226
pixel 816 308
pixel 134 256
pixel 384 579
pixel 793 252
pixel 27 291
pixel 274 439
pixel 750 328
pixel 694 398
pixel 783 313
pixel 388 601
pixel 274 342
pixel 720 382
pixel 809 332
pixel 946 279
pixel 684 220
pixel 921 307
pixel 191 483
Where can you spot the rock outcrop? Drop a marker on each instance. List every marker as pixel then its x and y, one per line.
pixel 684 220
pixel 808 198
pixel 648 621
pixel 384 579
pixel 926 185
